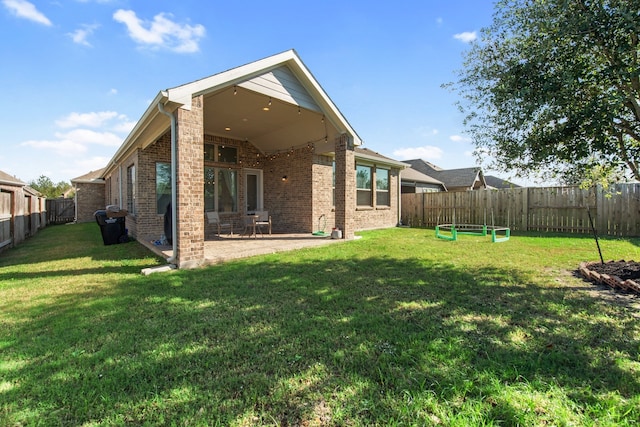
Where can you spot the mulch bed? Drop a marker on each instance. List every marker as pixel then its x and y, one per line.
pixel 620 275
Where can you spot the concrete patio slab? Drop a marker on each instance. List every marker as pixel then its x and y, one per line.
pixel 226 248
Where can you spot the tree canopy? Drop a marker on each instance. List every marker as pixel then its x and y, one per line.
pixel 46 186
pixel 553 87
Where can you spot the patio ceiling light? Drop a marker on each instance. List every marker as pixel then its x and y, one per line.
pixel 266 108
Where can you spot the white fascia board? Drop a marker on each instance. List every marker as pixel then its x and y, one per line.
pixel 380 161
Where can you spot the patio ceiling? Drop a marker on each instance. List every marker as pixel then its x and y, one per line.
pixel 239 113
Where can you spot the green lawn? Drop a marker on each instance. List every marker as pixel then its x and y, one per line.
pixel 396 328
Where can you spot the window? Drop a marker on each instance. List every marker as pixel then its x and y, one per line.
pixel 382 187
pixel 227 154
pixel 220 189
pixel 131 189
pixel 163 187
pixel 363 185
pixel 220 153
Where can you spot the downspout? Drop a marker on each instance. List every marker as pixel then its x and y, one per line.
pixel 120 186
pixel 174 208
pixel 399 198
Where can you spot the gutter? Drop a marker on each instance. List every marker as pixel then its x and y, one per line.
pixel 174 208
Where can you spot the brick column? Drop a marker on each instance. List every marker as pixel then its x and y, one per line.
pixel 190 185
pixel 345 186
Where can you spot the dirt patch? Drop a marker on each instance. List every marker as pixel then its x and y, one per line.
pixel 615 281
pixel 624 270
pixel 611 288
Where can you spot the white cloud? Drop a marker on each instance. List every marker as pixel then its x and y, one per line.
pixel 86 137
pixel 80 35
pixel 25 9
pixel 85 130
pixel 427 152
pixel 466 37
pixel 439 21
pixel 162 32
pixel 113 91
pixel 459 138
pixel 93 119
pixel 62 147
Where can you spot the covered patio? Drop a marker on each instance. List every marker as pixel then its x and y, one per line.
pixel 219 249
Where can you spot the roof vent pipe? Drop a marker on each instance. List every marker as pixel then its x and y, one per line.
pixel 174 206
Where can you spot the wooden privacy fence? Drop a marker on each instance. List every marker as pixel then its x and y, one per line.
pixel 60 211
pixel 615 211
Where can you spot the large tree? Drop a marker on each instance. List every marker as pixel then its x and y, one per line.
pixel 554 86
pixel 50 190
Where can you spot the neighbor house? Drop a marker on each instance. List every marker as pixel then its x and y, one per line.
pixel 499 183
pixel 463 179
pixel 262 136
pixel 89 195
pixel 413 181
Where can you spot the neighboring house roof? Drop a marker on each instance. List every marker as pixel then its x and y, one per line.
pixel 495 182
pixel 453 178
pixel 366 154
pixel 237 110
pixel 93 177
pixel 32 191
pixel 7 179
pixel 410 175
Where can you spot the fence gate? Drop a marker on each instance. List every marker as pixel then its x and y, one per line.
pixel 60 211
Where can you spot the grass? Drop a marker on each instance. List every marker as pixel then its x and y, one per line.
pixel 396 328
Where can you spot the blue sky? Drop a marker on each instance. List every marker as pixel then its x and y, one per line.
pixel 78 74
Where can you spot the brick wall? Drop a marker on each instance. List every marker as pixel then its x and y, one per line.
pixel 366 218
pixel 345 187
pixel 323 217
pixel 290 201
pixel 150 223
pixel 89 198
pixel 190 185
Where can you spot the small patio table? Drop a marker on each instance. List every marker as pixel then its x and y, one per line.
pixel 250 226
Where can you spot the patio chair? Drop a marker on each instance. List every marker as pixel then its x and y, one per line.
pixel 264 219
pixel 214 219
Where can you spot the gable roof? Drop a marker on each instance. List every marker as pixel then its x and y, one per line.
pixel 495 182
pixel 413 175
pixel 452 178
pixel 281 78
pixel 93 177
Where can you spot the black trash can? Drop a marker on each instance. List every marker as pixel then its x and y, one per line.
pixel 112 229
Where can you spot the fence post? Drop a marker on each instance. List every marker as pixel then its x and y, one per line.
pixel 525 210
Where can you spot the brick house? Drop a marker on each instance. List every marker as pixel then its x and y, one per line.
pixel 262 136
pixel 464 179
pixel 89 195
